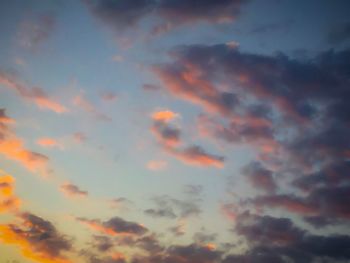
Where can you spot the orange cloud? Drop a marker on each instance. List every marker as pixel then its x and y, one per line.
pixel 118 256
pixel 48 142
pixel 13 148
pixel 35 94
pixel 8 201
pixel 195 155
pixel 165 115
pixel 30 246
pixel 156 165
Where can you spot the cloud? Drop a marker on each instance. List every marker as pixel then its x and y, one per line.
pixel 109 96
pixel 171 208
pixel 72 190
pixel 197 156
pixel 81 102
pixel 166 134
pixel 161 212
pixel 164 115
pixel 184 254
pixel 13 148
pixel 35 30
pixel 286 108
pixel 114 226
pixel 102 243
pixel 329 202
pixel 169 14
pixel 339 33
pixel 260 177
pixel 79 137
pixel 48 142
pixel 279 240
pixel 169 138
pixel 294 87
pixel 35 94
pixel 119 202
pixel 37 239
pixel 157 165
pixel 9 202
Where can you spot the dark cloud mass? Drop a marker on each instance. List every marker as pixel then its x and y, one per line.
pixel 287 109
pixel 124 13
pixel 37 238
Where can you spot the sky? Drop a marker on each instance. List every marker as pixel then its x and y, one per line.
pixel 174 131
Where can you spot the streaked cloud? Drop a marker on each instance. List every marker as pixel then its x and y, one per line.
pixel 114 226
pixel 13 148
pixel 123 14
pixel 35 95
pixel 81 102
pixel 49 142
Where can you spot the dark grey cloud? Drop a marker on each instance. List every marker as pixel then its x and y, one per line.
pixel 327 202
pixel 125 14
pixel 185 254
pixel 169 207
pixel 339 33
pixel 102 243
pixel 114 226
pixel 170 139
pixel 42 236
pixel 260 177
pixel 279 240
pixel 161 212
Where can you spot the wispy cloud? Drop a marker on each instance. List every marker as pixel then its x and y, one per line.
pixel 35 94
pixel 71 190
pixel 12 147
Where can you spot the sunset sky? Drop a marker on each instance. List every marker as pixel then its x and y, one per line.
pixel 174 131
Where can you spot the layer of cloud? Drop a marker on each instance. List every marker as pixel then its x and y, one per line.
pixel 124 14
